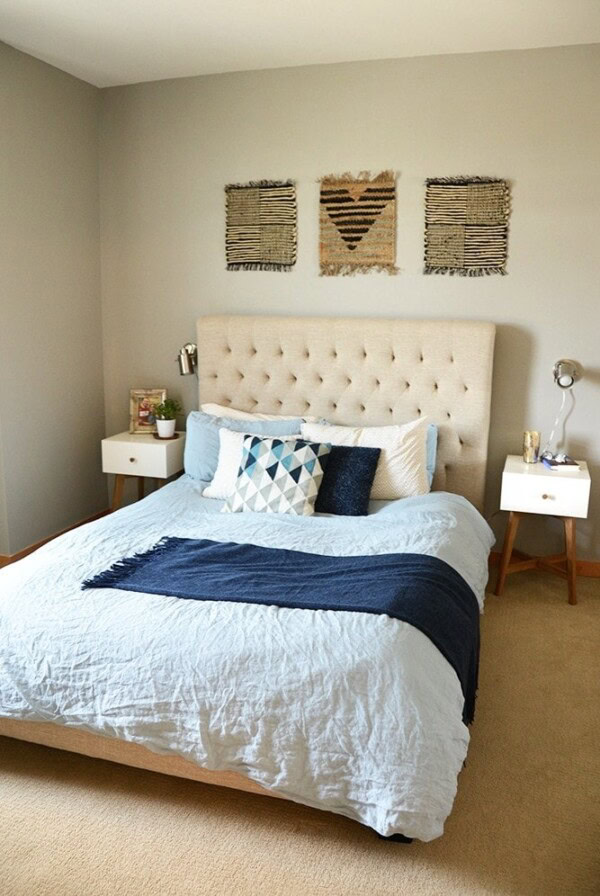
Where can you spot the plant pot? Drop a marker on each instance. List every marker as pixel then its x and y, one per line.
pixel 165 428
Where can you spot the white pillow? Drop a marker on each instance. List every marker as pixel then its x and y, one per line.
pixel 230 456
pixel 402 468
pixel 219 410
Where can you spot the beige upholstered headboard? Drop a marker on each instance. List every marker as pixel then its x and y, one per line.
pixel 361 371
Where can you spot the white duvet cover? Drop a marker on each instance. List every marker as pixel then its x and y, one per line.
pixel 354 713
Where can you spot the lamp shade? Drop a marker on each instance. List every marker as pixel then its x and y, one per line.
pixel 566 373
pixel 187 358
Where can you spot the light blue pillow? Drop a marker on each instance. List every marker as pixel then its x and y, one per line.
pixel 201 452
pixel 431 447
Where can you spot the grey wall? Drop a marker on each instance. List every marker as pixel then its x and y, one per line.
pixel 3 517
pixel 168 148
pixel 51 385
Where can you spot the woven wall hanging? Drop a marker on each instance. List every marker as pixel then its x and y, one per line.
pixel 358 224
pixel 466 226
pixel 260 226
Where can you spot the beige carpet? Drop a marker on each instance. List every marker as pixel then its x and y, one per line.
pixel 526 819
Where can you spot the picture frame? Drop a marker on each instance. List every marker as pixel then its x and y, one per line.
pixel 141 404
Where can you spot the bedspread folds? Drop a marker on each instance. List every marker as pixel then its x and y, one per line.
pixel 424 591
pixel 352 712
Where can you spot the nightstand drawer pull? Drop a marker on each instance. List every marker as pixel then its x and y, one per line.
pixel 133 460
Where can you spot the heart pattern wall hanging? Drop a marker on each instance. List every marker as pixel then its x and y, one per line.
pixel 357 224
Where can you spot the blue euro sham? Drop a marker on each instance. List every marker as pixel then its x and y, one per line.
pixel 201 453
pixel 431 448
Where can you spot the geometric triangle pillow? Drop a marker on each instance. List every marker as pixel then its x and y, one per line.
pixel 278 476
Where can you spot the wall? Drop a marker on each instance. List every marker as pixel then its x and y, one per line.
pixel 168 148
pixel 3 516
pixel 51 385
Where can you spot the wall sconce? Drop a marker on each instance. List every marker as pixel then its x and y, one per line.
pixel 566 373
pixel 187 358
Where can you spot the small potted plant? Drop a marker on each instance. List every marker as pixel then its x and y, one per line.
pixel 165 414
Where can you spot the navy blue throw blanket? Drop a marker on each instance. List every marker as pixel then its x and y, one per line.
pixel 423 591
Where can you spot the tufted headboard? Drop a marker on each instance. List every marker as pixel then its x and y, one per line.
pixel 369 371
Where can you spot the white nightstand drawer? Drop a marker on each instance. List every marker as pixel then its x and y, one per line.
pixel 532 488
pixel 142 455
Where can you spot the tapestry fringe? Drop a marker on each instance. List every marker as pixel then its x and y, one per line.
pixel 463 272
pixel 363 177
pixel 259 266
pixel 114 575
pixel 348 270
pixel 261 183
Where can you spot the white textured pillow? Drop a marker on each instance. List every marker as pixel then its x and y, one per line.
pixel 402 468
pixel 219 410
pixel 230 456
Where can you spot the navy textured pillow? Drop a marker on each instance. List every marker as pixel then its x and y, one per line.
pixel 347 481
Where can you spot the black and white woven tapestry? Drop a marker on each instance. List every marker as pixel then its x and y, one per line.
pixel 260 226
pixel 466 226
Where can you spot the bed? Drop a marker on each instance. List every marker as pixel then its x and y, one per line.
pixel 353 713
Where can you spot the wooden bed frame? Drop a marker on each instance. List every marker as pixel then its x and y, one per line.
pixel 348 370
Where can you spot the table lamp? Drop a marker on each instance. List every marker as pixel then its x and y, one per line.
pixel 566 373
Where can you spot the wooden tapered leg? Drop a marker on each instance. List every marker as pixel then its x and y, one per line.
pixel 569 522
pixel 509 540
pixel 118 491
pixel 140 487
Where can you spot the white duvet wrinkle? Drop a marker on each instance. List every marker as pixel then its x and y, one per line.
pixel 352 712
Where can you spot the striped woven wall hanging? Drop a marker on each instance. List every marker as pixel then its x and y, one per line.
pixel 260 226
pixel 466 226
pixel 358 224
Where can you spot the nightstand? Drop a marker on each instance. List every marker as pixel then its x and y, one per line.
pixel 140 456
pixel 533 488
